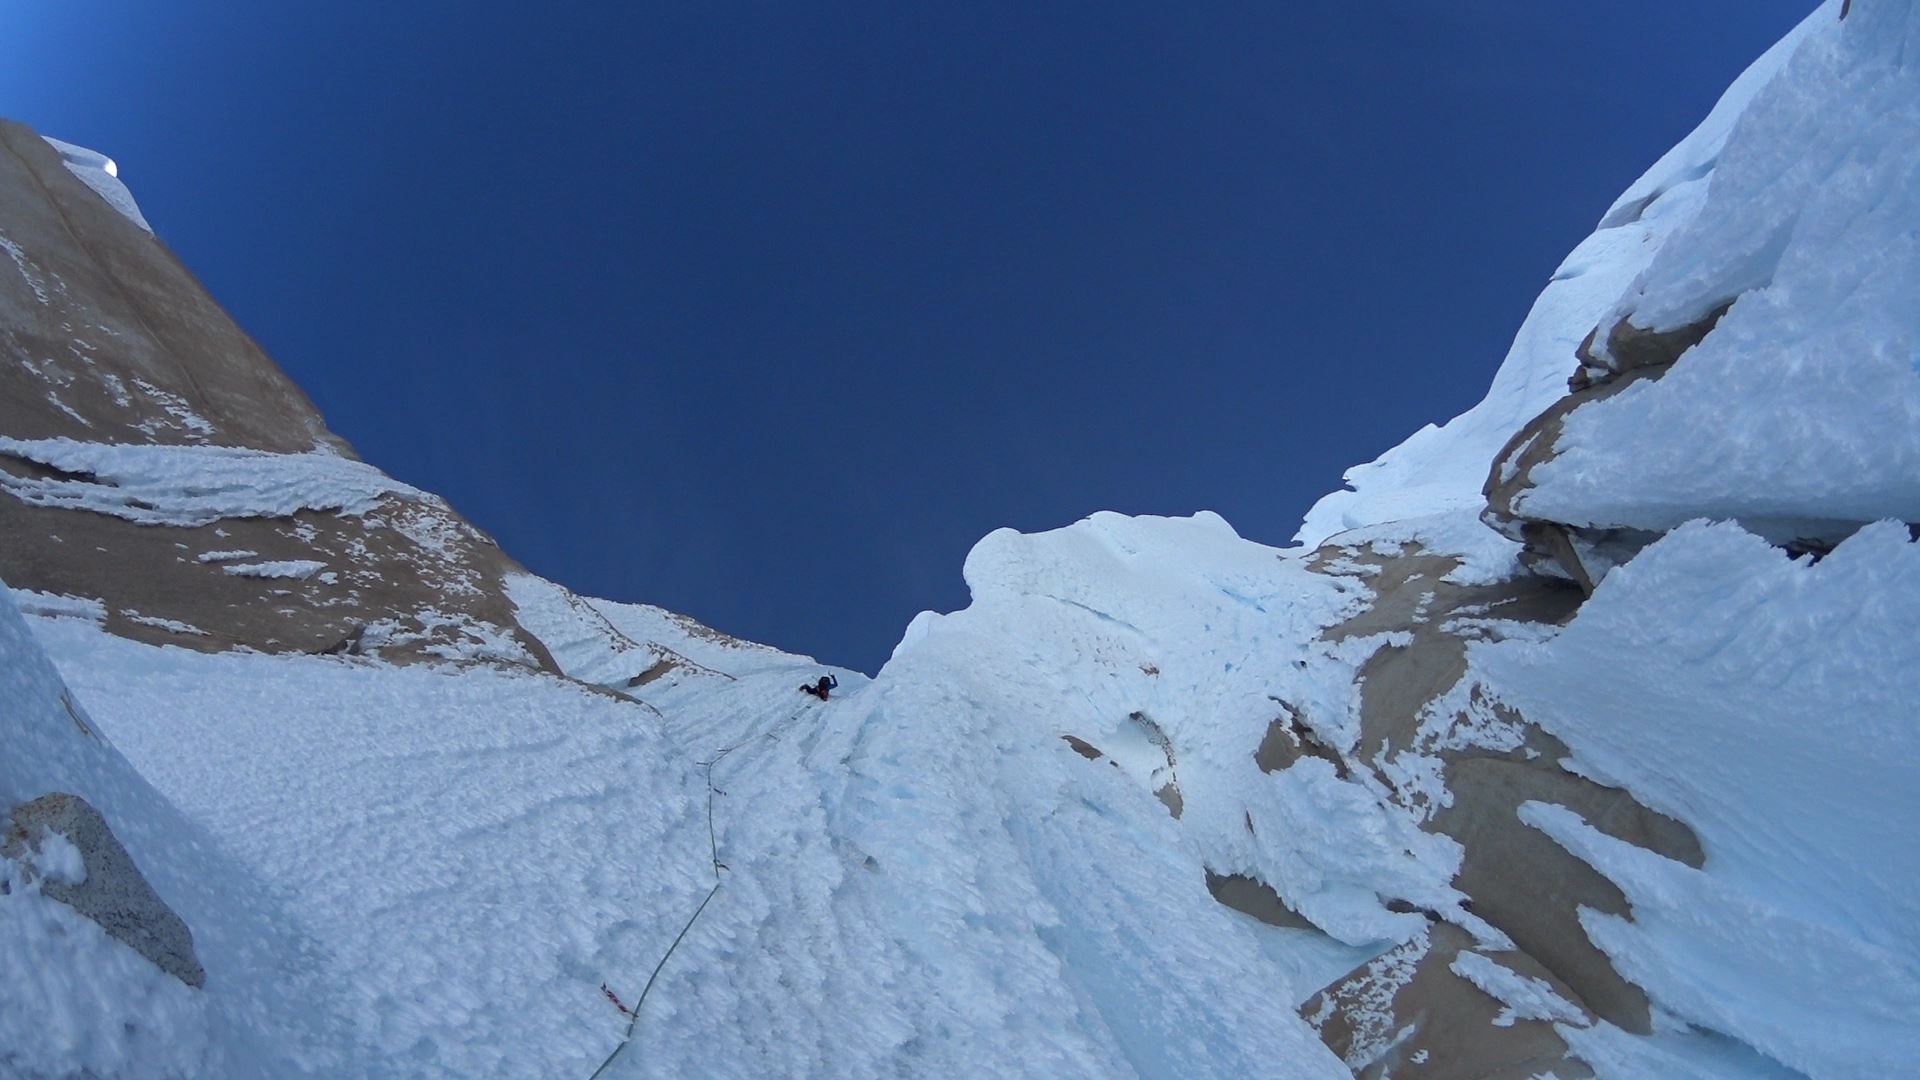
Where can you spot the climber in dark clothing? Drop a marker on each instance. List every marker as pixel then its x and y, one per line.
pixel 821 689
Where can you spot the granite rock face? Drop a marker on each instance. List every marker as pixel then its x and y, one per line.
pixel 109 888
pixel 105 338
pixel 110 339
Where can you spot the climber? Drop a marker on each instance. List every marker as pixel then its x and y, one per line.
pixel 821 689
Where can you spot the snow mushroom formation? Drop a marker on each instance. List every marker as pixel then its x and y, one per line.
pixel 1576 738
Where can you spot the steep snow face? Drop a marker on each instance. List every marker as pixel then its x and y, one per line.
pixel 1800 412
pixel 927 856
pixel 1770 704
pixel 1764 701
pixel 471 850
pixel 917 877
pixel 74 999
pixel 1178 633
pixel 1441 469
pixel 98 171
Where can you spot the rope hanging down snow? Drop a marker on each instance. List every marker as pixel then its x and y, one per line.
pixel 713 845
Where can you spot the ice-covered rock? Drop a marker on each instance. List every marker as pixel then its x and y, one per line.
pixel 140 428
pixel 1760 367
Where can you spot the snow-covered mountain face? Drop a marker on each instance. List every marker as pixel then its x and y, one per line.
pixel 1576 739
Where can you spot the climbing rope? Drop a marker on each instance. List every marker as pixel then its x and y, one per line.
pixel 713 847
pixel 713 851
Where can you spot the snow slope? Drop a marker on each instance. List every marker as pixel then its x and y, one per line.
pixel 74 999
pixel 921 877
pixel 475 849
pixel 1771 706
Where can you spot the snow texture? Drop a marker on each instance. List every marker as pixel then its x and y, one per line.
pixel 56 859
pixel 59 606
pixel 1770 706
pixel 477 848
pixel 1800 413
pixel 921 877
pixel 174 625
pixel 1185 623
pixel 224 556
pixel 194 485
pixel 98 171
pixel 453 636
pixel 74 1000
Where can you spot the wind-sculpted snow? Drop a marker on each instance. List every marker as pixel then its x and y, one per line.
pixel 1441 469
pixel 920 876
pixel 1800 412
pixel 1204 634
pixel 75 1000
pixel 475 849
pixel 1771 706
pixel 186 486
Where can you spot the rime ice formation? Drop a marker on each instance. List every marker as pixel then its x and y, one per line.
pixel 1576 739
pixel 99 172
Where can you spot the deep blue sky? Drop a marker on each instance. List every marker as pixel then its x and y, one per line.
pixel 767 312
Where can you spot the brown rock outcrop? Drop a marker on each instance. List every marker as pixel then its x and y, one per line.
pixel 1409 1014
pixel 1515 878
pixel 106 338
